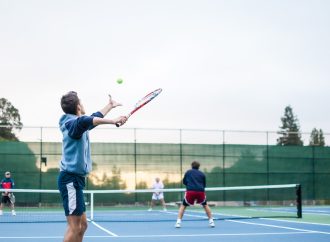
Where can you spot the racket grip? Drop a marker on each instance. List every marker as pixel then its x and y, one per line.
pixel 118 124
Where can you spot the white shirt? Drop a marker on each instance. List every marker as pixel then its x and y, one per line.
pixel 158 185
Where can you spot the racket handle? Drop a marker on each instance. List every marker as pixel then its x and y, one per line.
pixel 127 116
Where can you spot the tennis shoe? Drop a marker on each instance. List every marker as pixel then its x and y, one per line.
pixel 1 213
pixel 178 225
pixel 211 223
pixel 164 209
pixel 150 209
pixel 13 213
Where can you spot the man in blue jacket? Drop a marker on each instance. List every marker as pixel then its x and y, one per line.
pixel 195 183
pixel 76 160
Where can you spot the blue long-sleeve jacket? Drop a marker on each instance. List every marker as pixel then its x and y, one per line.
pixel 76 154
pixel 194 180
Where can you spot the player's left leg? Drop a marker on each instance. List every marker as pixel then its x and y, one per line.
pixel 180 215
pixel 76 228
pixel 209 214
pixel 163 204
pixel 12 206
pixel 152 204
pixel 12 209
pixel 83 226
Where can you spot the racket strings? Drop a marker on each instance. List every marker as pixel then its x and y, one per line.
pixel 148 97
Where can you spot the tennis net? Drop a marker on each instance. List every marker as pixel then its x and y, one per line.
pixel 132 205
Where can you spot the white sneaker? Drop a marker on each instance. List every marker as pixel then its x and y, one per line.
pixel 1 213
pixel 164 209
pixel 177 225
pixel 150 209
pixel 13 212
pixel 211 223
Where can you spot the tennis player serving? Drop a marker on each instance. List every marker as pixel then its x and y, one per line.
pixel 76 160
pixel 195 183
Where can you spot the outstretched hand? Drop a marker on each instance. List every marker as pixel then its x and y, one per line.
pixel 113 103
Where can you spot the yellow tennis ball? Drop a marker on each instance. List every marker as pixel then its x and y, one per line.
pixel 119 81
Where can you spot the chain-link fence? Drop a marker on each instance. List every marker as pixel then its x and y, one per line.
pixel 133 158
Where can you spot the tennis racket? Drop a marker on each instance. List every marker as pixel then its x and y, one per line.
pixel 142 102
pixel 11 197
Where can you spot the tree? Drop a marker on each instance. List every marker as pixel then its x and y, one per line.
pixel 10 120
pixel 112 181
pixel 289 129
pixel 317 138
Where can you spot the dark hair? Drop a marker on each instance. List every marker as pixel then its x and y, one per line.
pixel 195 165
pixel 69 102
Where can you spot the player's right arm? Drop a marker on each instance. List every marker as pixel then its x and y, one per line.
pixel 78 126
pixel 120 120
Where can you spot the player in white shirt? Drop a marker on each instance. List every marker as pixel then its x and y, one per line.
pixel 157 196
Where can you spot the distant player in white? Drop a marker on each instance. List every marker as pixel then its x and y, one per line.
pixel 157 196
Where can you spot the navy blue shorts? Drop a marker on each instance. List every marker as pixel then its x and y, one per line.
pixel 71 188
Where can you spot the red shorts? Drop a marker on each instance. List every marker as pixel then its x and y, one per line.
pixel 191 197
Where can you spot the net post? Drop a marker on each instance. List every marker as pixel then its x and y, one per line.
pixel 299 200
pixel 92 206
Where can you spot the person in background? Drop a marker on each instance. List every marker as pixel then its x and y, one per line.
pixel 157 196
pixel 7 197
pixel 195 183
pixel 76 160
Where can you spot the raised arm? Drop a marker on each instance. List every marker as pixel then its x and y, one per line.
pixel 112 104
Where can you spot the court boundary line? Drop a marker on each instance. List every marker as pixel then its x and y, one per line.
pixel 322 214
pixel 280 227
pixel 310 212
pixel 162 235
pixel 272 219
pixel 212 235
pixel 261 224
pixel 104 229
pixel 298 222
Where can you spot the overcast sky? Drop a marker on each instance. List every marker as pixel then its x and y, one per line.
pixel 222 64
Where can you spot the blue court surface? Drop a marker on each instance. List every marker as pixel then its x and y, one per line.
pixel 227 229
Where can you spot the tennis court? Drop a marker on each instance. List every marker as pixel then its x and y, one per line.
pixel 120 213
pixel 160 227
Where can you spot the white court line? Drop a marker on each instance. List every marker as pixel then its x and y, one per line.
pixel 311 212
pixel 318 211
pixel 322 214
pixel 157 235
pixel 31 237
pixel 280 227
pixel 268 225
pixel 292 221
pixel 189 215
pixel 208 235
pixel 104 229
